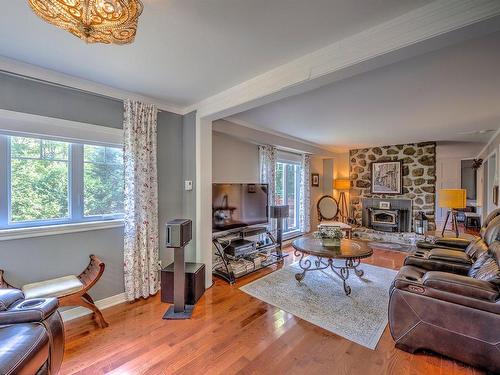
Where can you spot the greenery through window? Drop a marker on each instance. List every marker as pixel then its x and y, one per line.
pixel 39 187
pixel 288 192
pixel 51 182
pixel 102 180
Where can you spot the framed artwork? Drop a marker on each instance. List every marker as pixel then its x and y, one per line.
pixel 315 179
pixel 387 177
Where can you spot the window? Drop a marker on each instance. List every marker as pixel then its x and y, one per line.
pixel 49 182
pixel 288 191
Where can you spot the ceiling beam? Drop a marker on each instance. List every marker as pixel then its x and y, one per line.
pixel 439 24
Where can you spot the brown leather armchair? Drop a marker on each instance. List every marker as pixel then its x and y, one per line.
pixel 454 315
pixel 457 261
pixel 31 334
pixel 458 243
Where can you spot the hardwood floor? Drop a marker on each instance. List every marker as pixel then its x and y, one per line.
pixel 230 333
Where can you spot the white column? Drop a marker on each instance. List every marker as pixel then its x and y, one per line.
pixel 204 196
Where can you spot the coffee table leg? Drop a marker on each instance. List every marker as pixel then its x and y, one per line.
pixel 304 264
pixel 344 275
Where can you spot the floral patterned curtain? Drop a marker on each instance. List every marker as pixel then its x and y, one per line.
pixel 141 201
pixel 267 163
pixel 305 194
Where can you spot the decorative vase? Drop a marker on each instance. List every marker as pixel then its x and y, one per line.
pixel 330 242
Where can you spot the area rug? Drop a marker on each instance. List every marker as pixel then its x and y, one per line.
pixel 320 299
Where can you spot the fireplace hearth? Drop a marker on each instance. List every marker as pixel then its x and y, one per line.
pixel 388 215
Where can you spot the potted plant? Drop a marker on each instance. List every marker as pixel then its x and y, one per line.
pixel 330 236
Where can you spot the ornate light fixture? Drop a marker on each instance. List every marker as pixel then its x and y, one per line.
pixel 94 21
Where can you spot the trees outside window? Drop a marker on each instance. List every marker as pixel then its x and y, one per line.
pixel 51 182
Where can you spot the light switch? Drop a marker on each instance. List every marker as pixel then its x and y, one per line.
pixel 188 185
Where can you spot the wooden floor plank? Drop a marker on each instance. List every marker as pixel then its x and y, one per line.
pixel 234 333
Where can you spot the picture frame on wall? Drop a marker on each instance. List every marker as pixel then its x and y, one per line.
pixel 387 177
pixel 315 179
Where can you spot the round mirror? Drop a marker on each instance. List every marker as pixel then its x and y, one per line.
pixel 327 207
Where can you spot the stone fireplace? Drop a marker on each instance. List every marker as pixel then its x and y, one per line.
pixel 418 185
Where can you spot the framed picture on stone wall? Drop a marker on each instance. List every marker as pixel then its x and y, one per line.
pixel 387 177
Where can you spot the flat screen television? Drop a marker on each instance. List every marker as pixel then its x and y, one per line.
pixel 238 205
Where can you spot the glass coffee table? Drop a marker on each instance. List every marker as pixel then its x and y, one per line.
pixel 350 252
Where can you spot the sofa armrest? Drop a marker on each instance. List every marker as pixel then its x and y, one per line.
pixel 461 285
pixel 29 310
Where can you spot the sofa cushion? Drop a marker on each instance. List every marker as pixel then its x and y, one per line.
pixel 489 271
pixel 455 256
pixel 53 288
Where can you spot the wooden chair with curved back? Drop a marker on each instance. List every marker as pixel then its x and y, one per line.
pixel 77 295
pixel 328 212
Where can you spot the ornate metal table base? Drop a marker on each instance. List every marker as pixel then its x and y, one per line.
pixel 341 271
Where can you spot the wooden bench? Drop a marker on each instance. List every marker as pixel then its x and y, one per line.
pixel 70 290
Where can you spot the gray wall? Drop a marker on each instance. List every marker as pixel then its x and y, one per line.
pixel 38 258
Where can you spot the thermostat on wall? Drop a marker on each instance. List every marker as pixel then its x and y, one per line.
pixel 188 185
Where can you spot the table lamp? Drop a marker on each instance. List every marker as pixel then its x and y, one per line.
pixel 452 199
pixel 342 184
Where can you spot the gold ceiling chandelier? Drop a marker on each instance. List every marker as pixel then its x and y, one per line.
pixel 94 21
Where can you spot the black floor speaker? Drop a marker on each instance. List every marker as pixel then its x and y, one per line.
pixel 194 287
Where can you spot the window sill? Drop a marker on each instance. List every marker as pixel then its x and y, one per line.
pixel 290 235
pixel 51 230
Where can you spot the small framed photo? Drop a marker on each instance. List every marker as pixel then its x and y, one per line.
pixel 384 205
pixel 387 177
pixel 315 179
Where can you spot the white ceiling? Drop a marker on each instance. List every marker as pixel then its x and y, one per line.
pixel 439 96
pixel 187 50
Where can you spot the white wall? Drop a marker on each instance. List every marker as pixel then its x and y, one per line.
pixel 448 167
pixel 485 192
pixel 234 160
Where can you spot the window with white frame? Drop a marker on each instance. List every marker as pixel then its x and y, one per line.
pixel 47 182
pixel 288 191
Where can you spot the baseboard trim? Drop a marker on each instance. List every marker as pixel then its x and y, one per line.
pixel 102 304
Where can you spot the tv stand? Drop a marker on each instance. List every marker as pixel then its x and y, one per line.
pixel 265 252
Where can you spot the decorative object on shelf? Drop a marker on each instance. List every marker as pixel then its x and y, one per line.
pixel 386 177
pixel 93 21
pixel 330 236
pixel 452 199
pixel 279 213
pixel 342 185
pixel 315 179
pixel 421 223
pixel 476 163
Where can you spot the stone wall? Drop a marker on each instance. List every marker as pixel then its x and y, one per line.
pixel 419 176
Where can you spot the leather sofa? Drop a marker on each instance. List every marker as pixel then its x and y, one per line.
pixel 455 315
pixel 458 243
pixel 455 260
pixel 31 334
